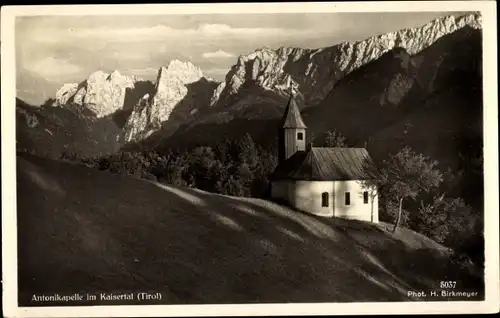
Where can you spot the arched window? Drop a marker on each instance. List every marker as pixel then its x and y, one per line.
pixel 324 199
pixel 300 136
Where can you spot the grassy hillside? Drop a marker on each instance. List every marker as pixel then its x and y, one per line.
pixel 83 230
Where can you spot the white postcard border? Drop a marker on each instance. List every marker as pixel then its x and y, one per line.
pixel 9 229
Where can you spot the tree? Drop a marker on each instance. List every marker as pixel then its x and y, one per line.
pixel 454 223
pixel 201 160
pixel 431 218
pixel 405 175
pixel 175 170
pixel 260 183
pixel 246 150
pixel 334 139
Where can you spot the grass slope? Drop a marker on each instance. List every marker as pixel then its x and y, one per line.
pixel 83 230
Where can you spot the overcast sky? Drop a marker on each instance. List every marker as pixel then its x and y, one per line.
pixel 63 49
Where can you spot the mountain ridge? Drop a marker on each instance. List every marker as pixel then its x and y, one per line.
pixel 183 100
pixel 313 72
pixel 315 78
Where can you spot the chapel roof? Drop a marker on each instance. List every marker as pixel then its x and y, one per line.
pixel 292 117
pixel 326 164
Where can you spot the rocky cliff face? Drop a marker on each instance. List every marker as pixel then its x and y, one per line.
pixel 171 87
pixel 102 93
pixel 316 71
pixel 66 92
pixel 176 89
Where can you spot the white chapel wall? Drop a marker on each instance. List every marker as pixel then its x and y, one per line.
pixel 306 196
pixel 357 209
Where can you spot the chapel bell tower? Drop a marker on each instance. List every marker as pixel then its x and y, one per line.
pixel 292 132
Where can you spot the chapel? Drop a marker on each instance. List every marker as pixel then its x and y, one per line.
pixel 322 181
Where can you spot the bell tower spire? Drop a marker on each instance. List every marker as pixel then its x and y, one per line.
pixel 292 130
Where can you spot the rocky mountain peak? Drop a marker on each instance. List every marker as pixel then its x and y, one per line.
pixel 262 53
pixel 64 93
pixel 185 72
pixel 114 75
pixel 97 76
pixel 174 82
pixel 176 73
pixel 102 93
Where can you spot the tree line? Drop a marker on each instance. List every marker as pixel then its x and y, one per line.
pixel 231 167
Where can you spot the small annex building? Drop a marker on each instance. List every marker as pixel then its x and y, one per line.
pixel 318 180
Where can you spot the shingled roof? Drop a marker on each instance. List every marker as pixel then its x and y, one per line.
pixel 292 118
pixel 326 164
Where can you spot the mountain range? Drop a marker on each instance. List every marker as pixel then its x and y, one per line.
pixel 420 87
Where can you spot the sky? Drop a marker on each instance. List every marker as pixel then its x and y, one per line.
pixel 60 49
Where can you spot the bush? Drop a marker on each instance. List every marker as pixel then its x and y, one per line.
pixel 453 223
pixel 334 139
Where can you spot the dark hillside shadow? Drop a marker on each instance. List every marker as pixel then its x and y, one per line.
pixel 378 89
pixel 211 134
pixel 397 84
pixel 452 114
pixel 196 99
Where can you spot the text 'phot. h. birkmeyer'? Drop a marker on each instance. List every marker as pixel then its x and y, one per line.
pixel 249 159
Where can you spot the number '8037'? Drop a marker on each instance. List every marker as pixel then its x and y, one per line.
pixel 448 284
